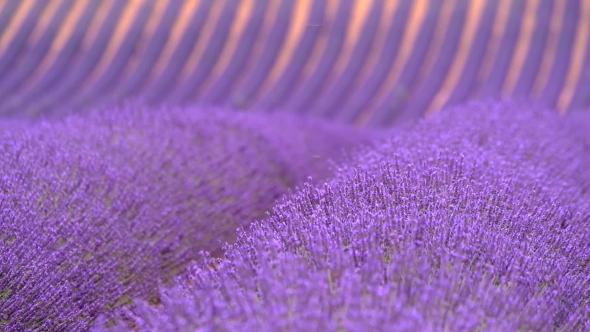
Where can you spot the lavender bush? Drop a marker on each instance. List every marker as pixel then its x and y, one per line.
pixel 474 220
pixel 97 210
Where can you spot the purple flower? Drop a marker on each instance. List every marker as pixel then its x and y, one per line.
pixel 97 210
pixel 476 219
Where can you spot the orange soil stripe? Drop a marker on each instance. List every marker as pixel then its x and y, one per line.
pixel 187 12
pixel 361 11
pixel 123 27
pixel 155 18
pixel 295 33
pixel 44 20
pixel 475 12
pixel 523 45
pixel 320 46
pixel 239 23
pixel 15 24
pixel 407 45
pixel 577 58
pixel 550 51
pixel 386 19
pixel 206 34
pixel 498 32
pixel 62 38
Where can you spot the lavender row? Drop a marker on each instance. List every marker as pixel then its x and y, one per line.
pixel 375 63
pixel 98 210
pixel 476 219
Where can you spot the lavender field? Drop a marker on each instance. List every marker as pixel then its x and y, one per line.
pixel 310 165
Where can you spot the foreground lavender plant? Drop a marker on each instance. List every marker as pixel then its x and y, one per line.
pixel 477 219
pixel 98 210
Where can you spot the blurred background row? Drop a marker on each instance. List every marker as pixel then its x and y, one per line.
pixel 367 62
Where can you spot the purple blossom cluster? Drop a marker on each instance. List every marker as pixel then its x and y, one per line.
pixel 476 219
pixel 98 210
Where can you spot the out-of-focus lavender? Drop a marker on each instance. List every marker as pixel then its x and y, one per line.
pixel 374 63
pixel 97 210
pixel 7 125
pixel 476 219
